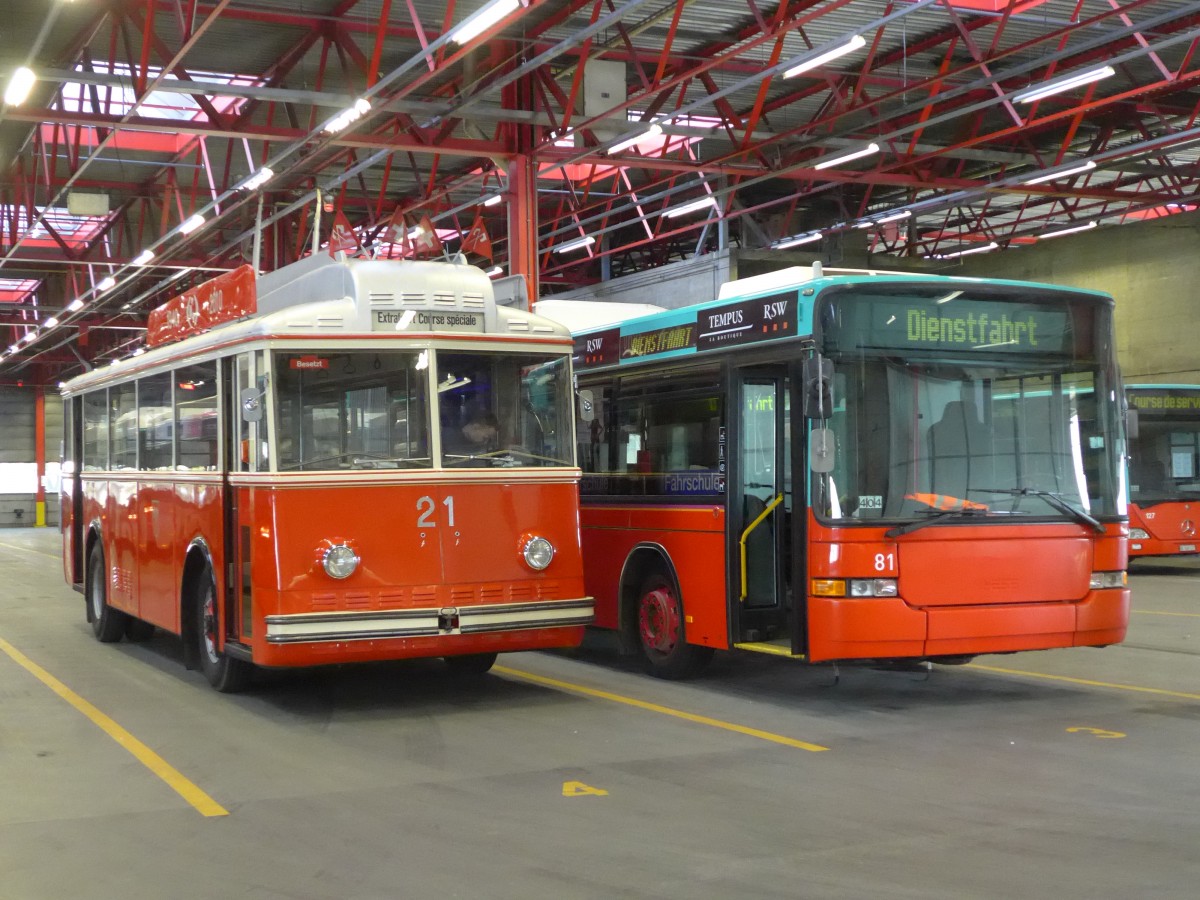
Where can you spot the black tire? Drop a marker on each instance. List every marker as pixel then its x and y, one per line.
pixel 226 674
pixel 470 665
pixel 661 633
pixel 137 630
pixel 108 624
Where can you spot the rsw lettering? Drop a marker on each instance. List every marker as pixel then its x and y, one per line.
pixel 595 345
pixel 775 310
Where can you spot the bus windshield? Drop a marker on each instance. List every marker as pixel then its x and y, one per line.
pixel 371 409
pixel 504 409
pixel 950 404
pixel 1164 459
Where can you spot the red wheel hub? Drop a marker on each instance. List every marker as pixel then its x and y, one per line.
pixel 658 620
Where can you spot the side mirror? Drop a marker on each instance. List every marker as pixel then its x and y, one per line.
pixel 587 406
pixel 1131 423
pixel 821 450
pixel 250 401
pixel 818 388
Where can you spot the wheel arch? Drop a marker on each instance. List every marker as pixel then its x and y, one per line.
pixel 643 559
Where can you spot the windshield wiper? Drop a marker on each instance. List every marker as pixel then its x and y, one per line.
pixel 910 527
pixel 1054 499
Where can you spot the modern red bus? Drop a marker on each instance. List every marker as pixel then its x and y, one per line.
pixel 343 460
pixel 856 467
pixel 1164 479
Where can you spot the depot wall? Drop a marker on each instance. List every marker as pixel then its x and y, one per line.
pixel 1153 271
pixel 18 471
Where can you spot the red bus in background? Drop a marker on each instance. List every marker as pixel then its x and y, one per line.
pixel 1164 470
pixel 343 460
pixel 856 467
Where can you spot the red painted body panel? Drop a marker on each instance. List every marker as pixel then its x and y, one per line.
pixel 966 590
pixel 1173 528
pixel 693 537
pixel 149 524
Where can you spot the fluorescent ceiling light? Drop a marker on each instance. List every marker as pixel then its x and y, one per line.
pixel 694 206
pixel 494 271
pixel 50 322
pixel 360 108
pixel 191 223
pixel 13 348
pixel 142 258
pixel 492 200
pixel 1064 84
pixel 20 83
pixel 1054 176
pixel 894 217
pixel 984 248
pixel 139 351
pixel 258 179
pixel 652 131
pixel 106 283
pixel 576 244
pixel 855 43
pixel 847 157
pixel 75 305
pixel 474 25
pixel 797 240
pixel 865 223
pixel 1072 230
pixel 30 335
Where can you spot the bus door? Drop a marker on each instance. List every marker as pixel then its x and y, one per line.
pixel 243 454
pixel 761 508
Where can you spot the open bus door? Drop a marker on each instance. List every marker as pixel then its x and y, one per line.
pixel 763 517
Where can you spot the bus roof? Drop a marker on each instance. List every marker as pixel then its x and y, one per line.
pixel 320 295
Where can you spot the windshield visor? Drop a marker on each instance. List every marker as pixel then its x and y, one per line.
pixel 982 403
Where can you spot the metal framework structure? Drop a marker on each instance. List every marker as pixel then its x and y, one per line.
pixel 579 138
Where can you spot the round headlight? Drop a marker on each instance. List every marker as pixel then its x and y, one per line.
pixel 339 561
pixel 538 552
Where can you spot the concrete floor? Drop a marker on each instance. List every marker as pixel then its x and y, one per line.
pixel 1070 774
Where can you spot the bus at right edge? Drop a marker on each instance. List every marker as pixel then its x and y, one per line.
pixel 1164 469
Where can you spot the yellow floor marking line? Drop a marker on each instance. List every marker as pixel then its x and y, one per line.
pixel 30 550
pixel 1085 681
pixel 1152 612
pixel 662 710
pixel 203 803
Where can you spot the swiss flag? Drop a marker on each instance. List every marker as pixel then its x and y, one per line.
pixel 343 237
pixel 425 239
pixel 477 240
pixel 397 231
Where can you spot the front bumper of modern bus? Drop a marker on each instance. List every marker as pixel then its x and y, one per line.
pixel 883 627
pixel 302 638
pixel 1142 543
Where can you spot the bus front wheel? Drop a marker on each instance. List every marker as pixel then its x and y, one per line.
pixel 108 624
pixel 226 674
pixel 660 628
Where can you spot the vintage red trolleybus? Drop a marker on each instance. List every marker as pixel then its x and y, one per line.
pixel 856 467
pixel 1164 470
pixel 342 460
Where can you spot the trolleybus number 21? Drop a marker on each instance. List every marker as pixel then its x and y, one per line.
pixel 426 507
